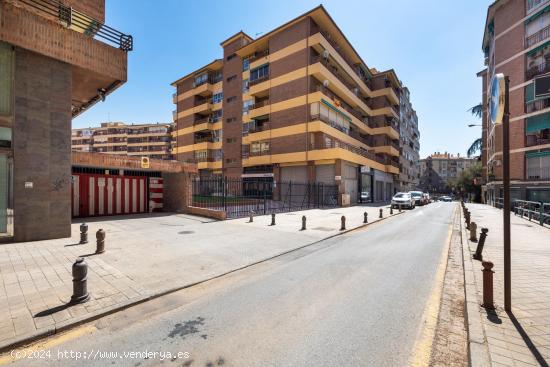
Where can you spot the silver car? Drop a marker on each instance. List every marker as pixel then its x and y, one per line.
pixel 403 199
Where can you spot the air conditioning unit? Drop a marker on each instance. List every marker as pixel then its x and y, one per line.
pixel 325 55
pixel 355 91
pixel 326 83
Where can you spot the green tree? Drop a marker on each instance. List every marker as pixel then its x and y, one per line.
pixel 477 145
pixel 466 184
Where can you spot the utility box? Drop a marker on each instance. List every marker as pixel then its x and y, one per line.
pixel 345 199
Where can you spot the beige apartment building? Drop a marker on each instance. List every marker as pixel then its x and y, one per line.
pixel 440 169
pixel 296 104
pixel 146 140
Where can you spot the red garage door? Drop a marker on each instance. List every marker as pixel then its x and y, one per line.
pixel 95 194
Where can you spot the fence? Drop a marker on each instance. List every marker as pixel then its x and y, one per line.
pixel 533 210
pixel 240 197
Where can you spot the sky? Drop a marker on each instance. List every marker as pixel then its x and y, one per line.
pixel 433 45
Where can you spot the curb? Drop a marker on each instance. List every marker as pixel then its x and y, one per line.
pixel 477 342
pixel 15 342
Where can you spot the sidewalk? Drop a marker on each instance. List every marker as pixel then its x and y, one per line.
pixel 523 338
pixel 146 256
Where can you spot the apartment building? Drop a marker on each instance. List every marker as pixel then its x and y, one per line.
pixel 439 170
pixel 516 42
pixel 57 59
pixel 145 140
pixel 409 144
pixel 296 104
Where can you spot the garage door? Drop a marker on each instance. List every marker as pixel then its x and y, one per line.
pixel 350 182
pixel 296 174
pixel 325 173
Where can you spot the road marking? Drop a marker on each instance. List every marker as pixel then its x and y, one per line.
pixel 422 350
pixel 48 343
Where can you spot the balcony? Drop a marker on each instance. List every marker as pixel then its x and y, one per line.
pixel 174 98
pixel 534 140
pixel 334 70
pixel 539 69
pixel 538 173
pixel 537 105
pixel 211 78
pixel 258 80
pixel 533 4
pixel 255 128
pixel 335 143
pixel 537 37
pixel 259 104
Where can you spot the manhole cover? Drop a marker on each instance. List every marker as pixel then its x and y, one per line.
pixel 324 229
pixel 186 232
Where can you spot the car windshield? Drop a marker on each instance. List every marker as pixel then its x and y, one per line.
pixel 416 194
pixel 401 196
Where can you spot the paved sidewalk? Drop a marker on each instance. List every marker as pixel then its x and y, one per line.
pixel 145 256
pixel 521 339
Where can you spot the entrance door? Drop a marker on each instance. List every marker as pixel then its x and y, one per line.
pixel 6 209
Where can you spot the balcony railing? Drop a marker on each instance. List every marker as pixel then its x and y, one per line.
pixel 212 78
pixel 335 143
pixel 259 128
pixel 537 173
pixel 541 68
pixel 533 140
pixel 82 23
pixel 334 70
pixel 258 80
pixel 537 105
pixel 259 104
pixel 532 4
pixel 537 37
pixel 258 55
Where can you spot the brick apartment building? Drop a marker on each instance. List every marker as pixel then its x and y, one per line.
pixel 439 170
pixel 56 60
pixel 516 42
pixel 409 143
pixel 145 140
pixel 297 104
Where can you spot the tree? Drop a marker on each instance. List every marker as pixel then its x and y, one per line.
pixel 466 183
pixel 477 110
pixel 477 145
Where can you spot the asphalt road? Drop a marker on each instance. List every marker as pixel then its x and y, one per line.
pixel 353 300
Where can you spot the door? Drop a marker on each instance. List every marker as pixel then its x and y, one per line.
pixel 6 213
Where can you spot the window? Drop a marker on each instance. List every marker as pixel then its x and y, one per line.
pixel 261 72
pixel 230 160
pixel 201 79
pixel 247 105
pixel 259 148
pixel 230 120
pixel 246 85
pixel 231 78
pixel 6 61
pixel 230 57
pixel 216 115
pixel 231 99
pixel 217 97
pixel 230 140
pixel 246 63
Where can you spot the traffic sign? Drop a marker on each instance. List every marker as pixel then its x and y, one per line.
pixel 496 104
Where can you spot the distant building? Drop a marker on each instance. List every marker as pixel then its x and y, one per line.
pixel 151 140
pixel 440 169
pixel 409 144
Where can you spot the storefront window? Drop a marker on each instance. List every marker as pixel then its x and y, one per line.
pixel 6 61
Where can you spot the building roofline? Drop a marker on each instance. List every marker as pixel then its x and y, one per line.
pixel 233 37
pixel 195 71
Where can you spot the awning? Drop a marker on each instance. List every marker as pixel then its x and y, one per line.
pixel 537 154
pixel 335 109
pixel 537 123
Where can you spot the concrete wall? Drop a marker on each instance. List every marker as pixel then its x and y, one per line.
pixel 42 147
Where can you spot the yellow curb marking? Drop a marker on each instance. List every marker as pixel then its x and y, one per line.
pixel 45 344
pixel 422 350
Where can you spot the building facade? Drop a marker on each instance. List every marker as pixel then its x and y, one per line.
pixel 297 104
pixel 56 61
pixel 409 144
pixel 146 140
pixel 440 170
pixel 516 42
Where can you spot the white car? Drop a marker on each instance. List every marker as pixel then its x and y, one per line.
pixel 403 199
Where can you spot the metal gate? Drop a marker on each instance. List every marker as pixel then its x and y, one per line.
pixel 97 194
pixel 238 197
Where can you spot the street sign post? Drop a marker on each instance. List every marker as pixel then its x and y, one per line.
pixel 500 113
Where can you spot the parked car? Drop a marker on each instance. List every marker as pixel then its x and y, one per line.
pixel 365 196
pixel 403 199
pixel 417 197
pixel 427 199
pixel 446 198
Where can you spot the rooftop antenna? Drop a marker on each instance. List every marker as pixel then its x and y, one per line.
pixel 258 33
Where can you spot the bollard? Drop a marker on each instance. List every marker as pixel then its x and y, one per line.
pixel 365 217
pixel 467 218
pixel 272 219
pixel 303 223
pixel 381 215
pixel 391 209
pixel 473 230
pixel 530 215
pixel 100 236
pixel 488 285
pixel 83 233
pixel 343 225
pixel 251 217
pixel 399 208
pixel 80 281
pixel 479 250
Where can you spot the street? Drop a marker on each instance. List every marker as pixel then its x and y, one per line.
pixel 355 299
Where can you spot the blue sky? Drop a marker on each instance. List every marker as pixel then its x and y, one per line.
pixel 433 45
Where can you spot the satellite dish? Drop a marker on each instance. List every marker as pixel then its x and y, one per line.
pixel 355 91
pixel 325 54
pixel 325 83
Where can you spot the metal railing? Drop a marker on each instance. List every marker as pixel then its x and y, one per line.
pixel 258 80
pixel 334 71
pixel 537 105
pixel 532 4
pixel 538 173
pixel 533 140
pixel 532 210
pixel 533 71
pixel 537 37
pixel 259 128
pixel 259 104
pixel 82 23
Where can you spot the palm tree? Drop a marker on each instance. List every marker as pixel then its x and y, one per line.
pixel 477 145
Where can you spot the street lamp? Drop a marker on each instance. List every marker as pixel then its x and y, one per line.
pixel 472 125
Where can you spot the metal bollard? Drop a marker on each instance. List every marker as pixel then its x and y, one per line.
pixel 83 233
pixel 80 281
pixel 365 217
pixel 100 236
pixel 391 209
pixel 530 214
pixel 251 217
pixel 479 250
pixel 381 215
pixel 272 219
pixel 343 225
pixel 303 223
pixel 473 230
pixel 399 208
pixel 488 285
pixel 467 218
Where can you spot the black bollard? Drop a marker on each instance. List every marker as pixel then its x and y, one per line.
pixel 381 215
pixel 391 209
pixel 303 223
pixel 83 233
pixel 479 250
pixel 365 217
pixel 343 225
pixel 80 281
pixel 272 219
pixel 251 217
pixel 100 236
pixel 399 208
